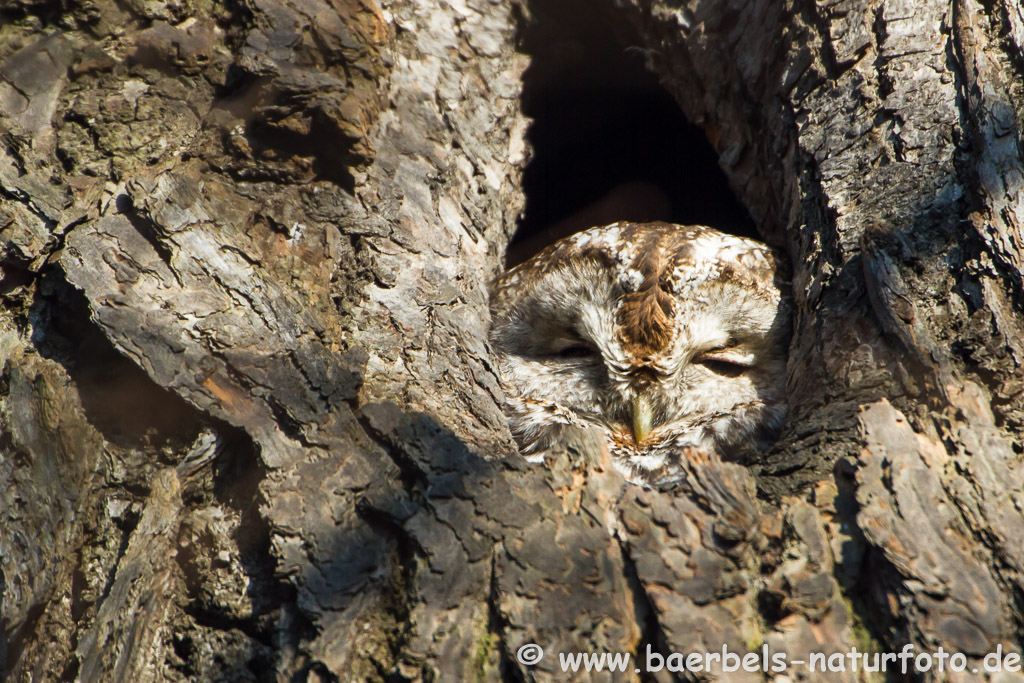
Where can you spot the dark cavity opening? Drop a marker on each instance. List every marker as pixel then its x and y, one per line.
pixel 609 142
pixel 118 397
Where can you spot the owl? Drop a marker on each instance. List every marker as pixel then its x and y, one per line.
pixel 662 337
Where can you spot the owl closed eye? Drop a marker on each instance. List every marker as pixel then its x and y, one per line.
pixel 661 336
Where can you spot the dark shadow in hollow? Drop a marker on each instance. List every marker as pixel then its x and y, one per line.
pixel 609 143
pixel 118 397
pixel 140 418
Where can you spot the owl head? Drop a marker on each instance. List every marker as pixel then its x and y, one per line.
pixel 661 336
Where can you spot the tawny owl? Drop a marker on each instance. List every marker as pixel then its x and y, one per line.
pixel 661 336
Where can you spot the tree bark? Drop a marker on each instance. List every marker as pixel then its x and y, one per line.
pixel 249 429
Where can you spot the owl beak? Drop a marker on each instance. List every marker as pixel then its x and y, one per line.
pixel 642 418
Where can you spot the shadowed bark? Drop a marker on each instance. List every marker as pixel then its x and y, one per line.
pixel 249 429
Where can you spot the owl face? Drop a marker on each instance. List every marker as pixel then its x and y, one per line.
pixel 661 336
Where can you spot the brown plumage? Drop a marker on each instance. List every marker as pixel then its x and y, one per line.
pixel 665 338
pixel 646 315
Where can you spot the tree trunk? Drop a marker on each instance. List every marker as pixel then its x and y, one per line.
pixel 248 425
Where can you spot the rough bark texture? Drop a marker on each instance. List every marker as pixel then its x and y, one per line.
pixel 248 426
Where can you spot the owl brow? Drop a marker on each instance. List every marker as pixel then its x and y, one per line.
pixel 571 337
pixel 731 342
